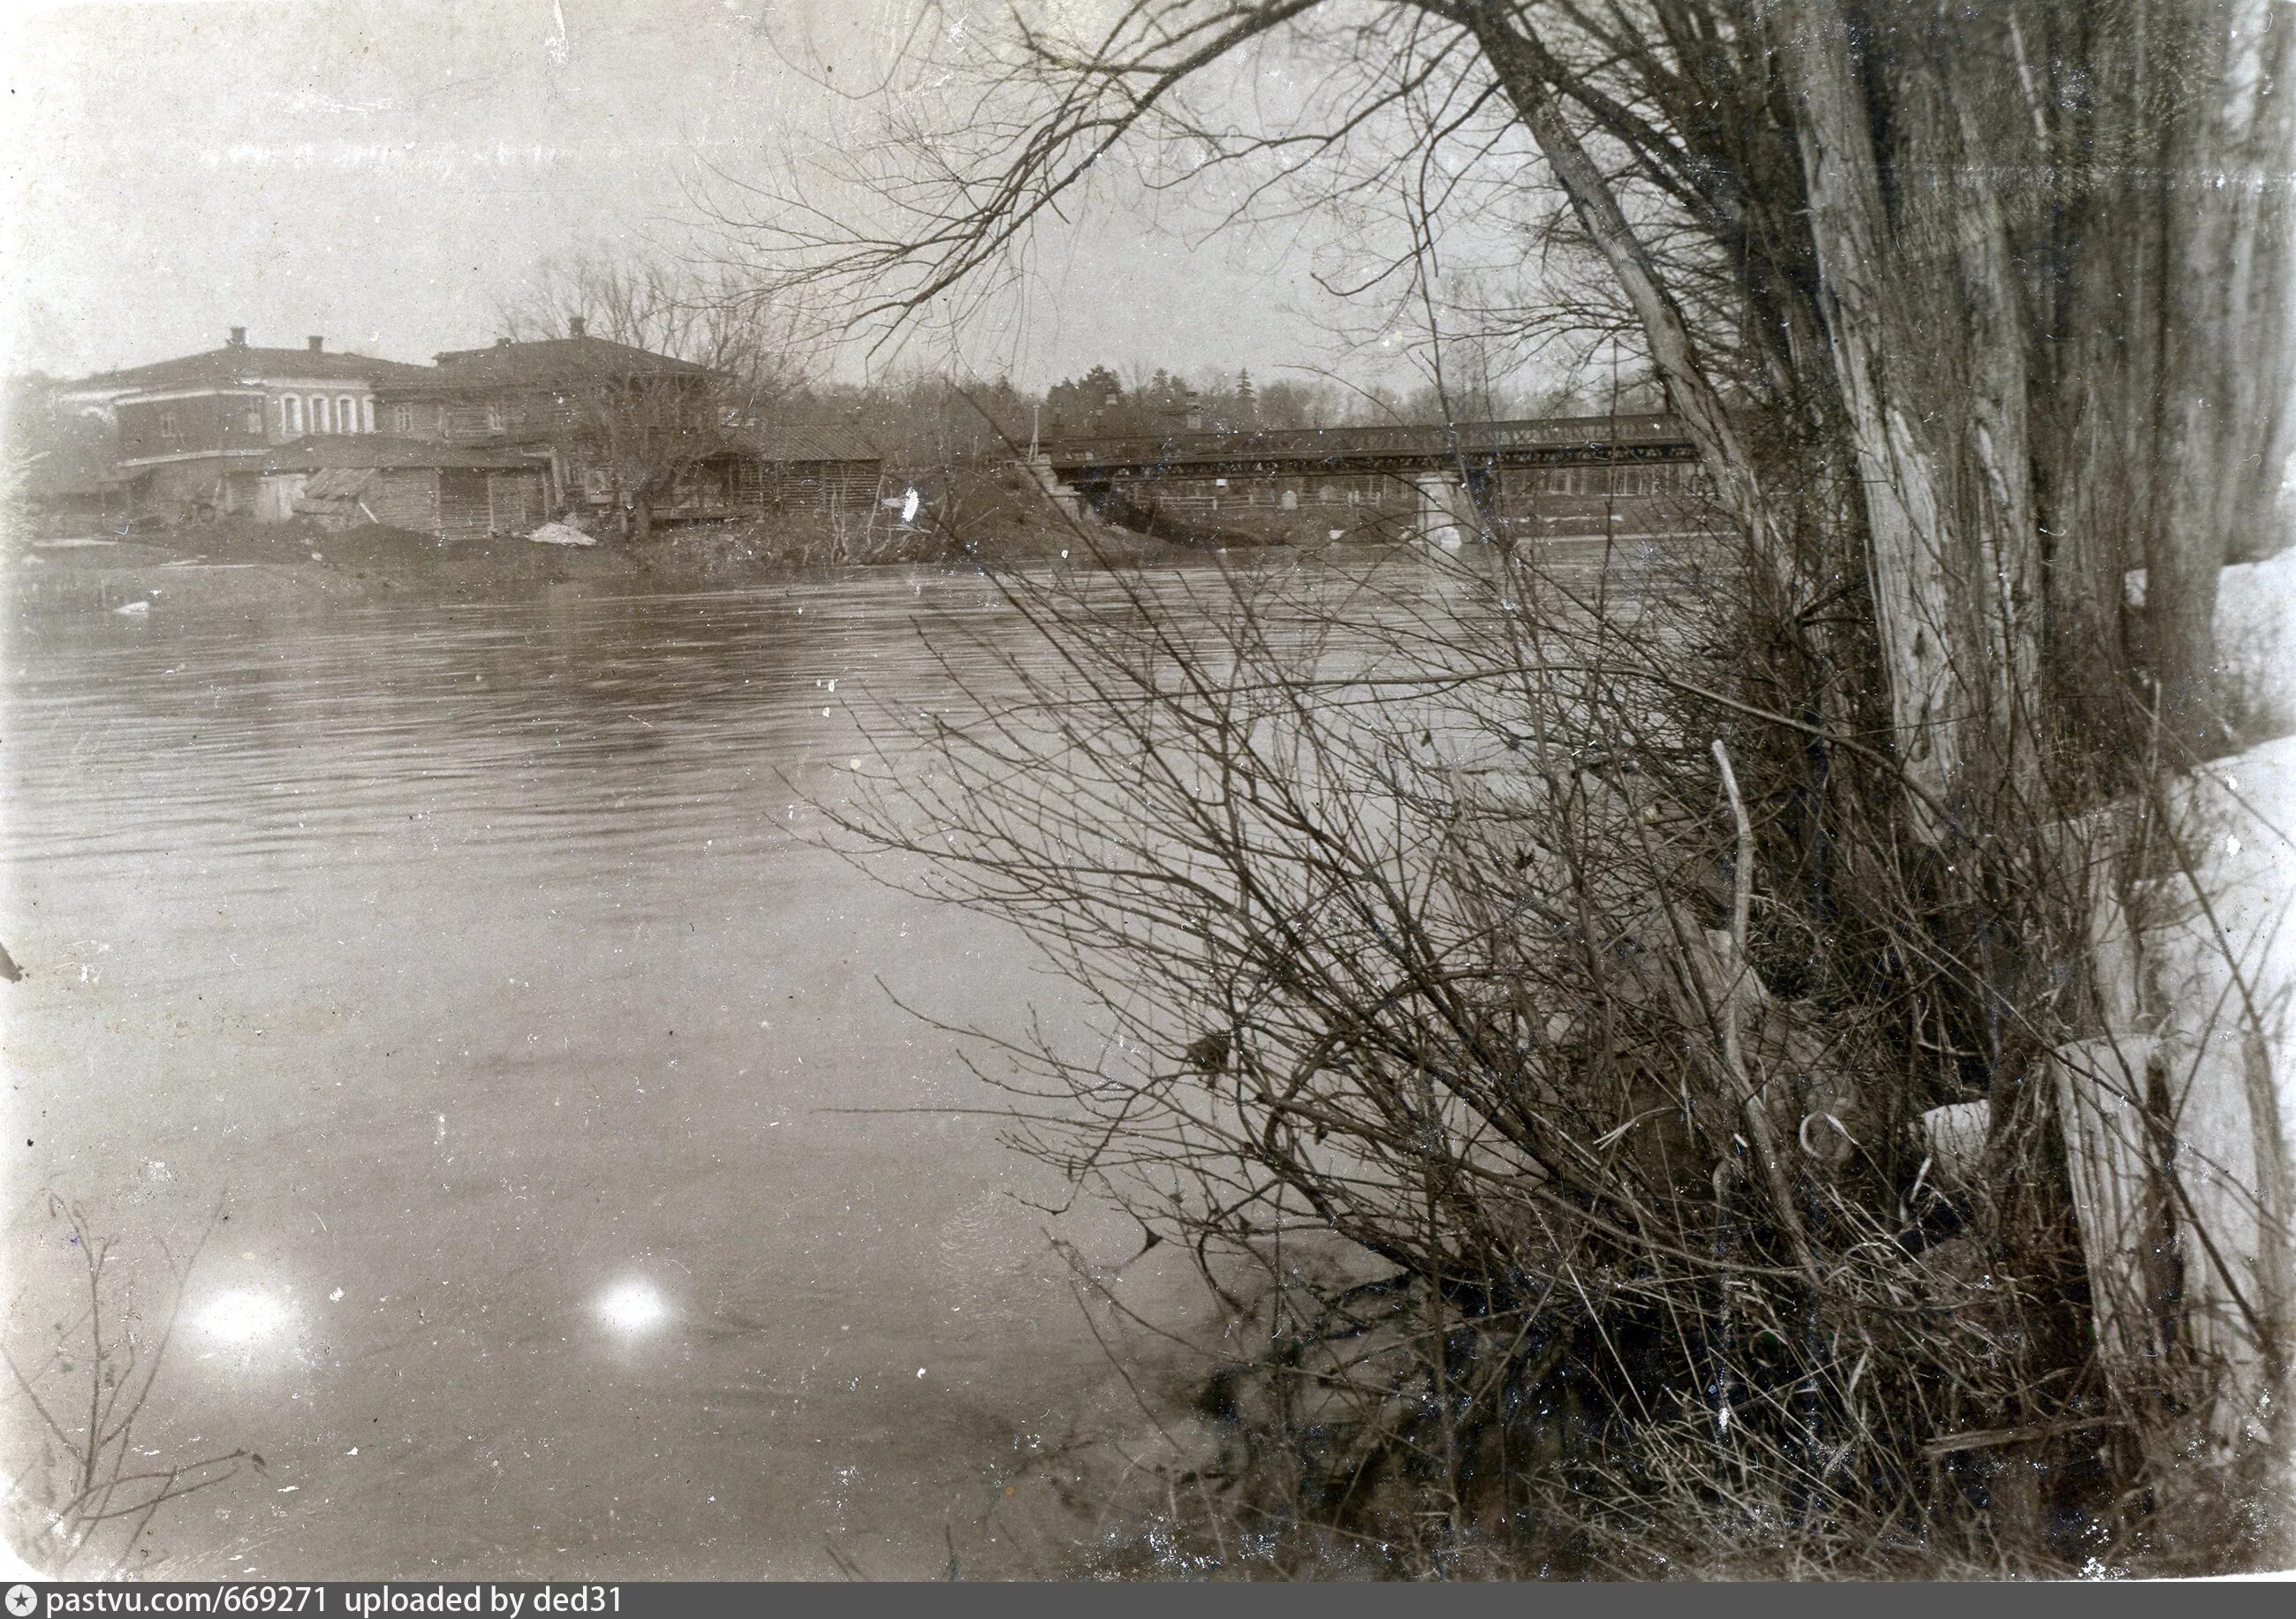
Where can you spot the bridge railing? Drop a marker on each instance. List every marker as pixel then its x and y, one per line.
pixel 1307 444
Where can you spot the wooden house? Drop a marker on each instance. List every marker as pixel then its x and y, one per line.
pixel 604 414
pixel 798 471
pixel 767 473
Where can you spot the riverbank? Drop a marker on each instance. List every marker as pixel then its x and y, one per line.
pixel 990 522
pixel 216 566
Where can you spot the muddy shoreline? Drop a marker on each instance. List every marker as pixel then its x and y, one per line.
pixel 211 567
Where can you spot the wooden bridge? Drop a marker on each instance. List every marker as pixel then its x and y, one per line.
pixel 1571 474
pixel 1549 441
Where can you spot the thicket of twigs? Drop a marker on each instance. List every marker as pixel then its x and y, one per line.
pixel 1489 920
pixel 82 1495
pixel 1589 962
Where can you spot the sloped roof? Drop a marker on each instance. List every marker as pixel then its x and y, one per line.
pixel 239 363
pixel 367 451
pixel 337 484
pixel 546 363
pixel 799 441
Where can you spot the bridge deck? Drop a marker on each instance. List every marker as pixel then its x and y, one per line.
pixel 1545 440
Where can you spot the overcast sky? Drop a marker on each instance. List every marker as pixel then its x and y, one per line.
pixel 383 173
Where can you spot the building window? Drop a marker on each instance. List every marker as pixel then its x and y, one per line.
pixel 290 416
pixel 402 419
pixel 252 419
pixel 366 414
pixel 167 424
pixel 1291 500
pixel 494 419
pixel 346 415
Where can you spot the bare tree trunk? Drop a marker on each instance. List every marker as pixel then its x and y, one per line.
pixel 1863 304
pixel 1953 561
pixel 2001 493
pixel 2222 335
pixel 1664 329
pixel 2099 352
pixel 2265 390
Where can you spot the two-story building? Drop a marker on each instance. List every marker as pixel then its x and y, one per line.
pixel 192 431
pixel 606 414
pixel 484 440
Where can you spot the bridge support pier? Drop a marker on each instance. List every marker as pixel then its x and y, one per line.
pixel 1070 501
pixel 1447 513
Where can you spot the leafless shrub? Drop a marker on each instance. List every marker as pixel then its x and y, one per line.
pixel 1471 915
pixel 88 1496
pixel 1591 960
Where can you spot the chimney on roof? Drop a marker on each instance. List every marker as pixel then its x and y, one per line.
pixel 239 337
pixel 574 325
pixel 316 343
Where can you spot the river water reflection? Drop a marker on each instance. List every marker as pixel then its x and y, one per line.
pixel 470 959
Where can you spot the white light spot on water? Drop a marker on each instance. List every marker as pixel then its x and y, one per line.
pixel 244 1316
pixel 633 1307
pixel 909 508
pixel 921 1371
pixel 336 1298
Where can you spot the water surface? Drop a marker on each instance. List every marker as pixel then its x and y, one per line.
pixel 471 960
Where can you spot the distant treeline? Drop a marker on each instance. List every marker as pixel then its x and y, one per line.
pixel 934 416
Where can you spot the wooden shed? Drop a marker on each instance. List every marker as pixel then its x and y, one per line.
pixel 807 472
pixel 454 491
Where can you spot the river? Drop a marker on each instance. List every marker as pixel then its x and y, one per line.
pixel 471 963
